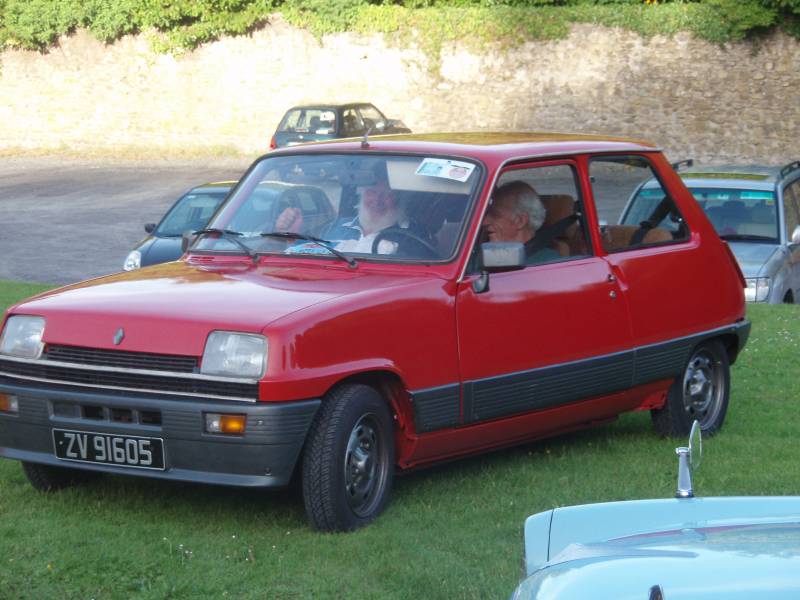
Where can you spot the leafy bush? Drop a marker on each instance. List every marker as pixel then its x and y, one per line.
pixel 36 24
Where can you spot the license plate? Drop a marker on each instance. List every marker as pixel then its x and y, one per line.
pixel 109 449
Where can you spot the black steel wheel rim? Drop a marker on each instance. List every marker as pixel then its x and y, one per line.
pixel 703 388
pixel 365 466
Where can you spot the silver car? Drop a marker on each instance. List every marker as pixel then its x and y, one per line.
pixel 755 209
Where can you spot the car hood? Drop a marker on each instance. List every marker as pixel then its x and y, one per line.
pixel 697 548
pixel 752 256
pixel 745 561
pixel 170 308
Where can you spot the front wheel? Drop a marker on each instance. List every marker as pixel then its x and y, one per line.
pixel 348 461
pixel 700 393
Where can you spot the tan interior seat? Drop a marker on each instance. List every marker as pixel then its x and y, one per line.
pixel 560 206
pixel 617 237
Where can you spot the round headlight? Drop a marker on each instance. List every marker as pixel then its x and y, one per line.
pixel 133 261
pixel 22 336
pixel 234 355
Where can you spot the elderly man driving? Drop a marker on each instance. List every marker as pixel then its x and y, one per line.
pixel 516 213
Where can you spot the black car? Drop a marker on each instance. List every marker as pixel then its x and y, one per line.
pixel 190 212
pixel 316 122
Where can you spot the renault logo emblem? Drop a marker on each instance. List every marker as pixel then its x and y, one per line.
pixel 119 336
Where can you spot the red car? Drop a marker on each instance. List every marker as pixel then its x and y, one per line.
pixel 465 292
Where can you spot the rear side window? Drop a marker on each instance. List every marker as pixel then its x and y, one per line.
pixel 633 207
pixel 791 198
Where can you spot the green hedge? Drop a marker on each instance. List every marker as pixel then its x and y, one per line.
pixel 181 24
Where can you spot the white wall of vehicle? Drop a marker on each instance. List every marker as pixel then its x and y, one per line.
pixel 731 103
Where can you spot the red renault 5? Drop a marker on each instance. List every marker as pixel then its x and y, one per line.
pixel 464 292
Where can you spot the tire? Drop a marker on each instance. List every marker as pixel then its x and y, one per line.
pixel 46 478
pixel 701 392
pixel 348 461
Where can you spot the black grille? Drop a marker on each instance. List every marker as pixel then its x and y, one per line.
pixel 122 359
pixel 135 381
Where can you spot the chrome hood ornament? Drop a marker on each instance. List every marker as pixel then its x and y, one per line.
pixel 119 336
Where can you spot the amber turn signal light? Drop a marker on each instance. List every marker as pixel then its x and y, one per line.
pixel 230 424
pixel 8 403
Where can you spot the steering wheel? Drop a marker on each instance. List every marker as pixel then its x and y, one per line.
pixel 402 237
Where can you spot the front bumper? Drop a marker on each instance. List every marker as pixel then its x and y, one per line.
pixel 264 456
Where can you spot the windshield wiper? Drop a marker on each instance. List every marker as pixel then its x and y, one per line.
pixel 744 236
pixel 324 243
pixel 230 235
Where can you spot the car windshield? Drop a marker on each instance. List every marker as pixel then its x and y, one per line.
pixel 395 208
pixel 740 214
pixel 309 120
pixel 749 215
pixel 191 212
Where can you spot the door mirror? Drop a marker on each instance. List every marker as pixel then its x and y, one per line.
pixel 695 446
pixel 688 460
pixel 796 235
pixel 149 227
pixel 187 238
pixel 500 256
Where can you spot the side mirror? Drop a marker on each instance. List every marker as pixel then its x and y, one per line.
pixel 149 227
pixel 688 460
pixel 501 256
pixel 498 256
pixel 796 235
pixel 187 237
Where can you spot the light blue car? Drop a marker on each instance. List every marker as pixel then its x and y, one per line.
pixel 682 548
pixel 755 209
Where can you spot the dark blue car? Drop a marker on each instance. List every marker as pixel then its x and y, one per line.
pixel 190 212
pixel 316 122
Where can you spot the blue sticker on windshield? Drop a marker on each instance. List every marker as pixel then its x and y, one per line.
pixel 307 248
pixel 745 195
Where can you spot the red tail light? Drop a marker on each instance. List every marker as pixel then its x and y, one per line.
pixel 272 143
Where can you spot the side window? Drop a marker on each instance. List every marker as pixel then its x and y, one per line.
pixel 633 207
pixel 791 194
pixel 372 118
pixel 351 123
pixel 540 207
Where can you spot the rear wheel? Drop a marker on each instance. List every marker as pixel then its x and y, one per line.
pixel 348 462
pixel 47 478
pixel 700 393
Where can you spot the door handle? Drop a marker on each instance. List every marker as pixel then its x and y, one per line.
pixel 612 294
pixel 612 278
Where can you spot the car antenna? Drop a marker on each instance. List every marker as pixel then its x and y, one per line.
pixel 365 142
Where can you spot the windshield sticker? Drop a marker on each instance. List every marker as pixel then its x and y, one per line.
pixel 745 195
pixel 446 169
pixel 307 248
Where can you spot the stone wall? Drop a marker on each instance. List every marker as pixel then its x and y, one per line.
pixel 736 103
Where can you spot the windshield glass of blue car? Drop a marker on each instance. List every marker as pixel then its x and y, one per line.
pixel 395 208
pixel 736 214
pixel 190 213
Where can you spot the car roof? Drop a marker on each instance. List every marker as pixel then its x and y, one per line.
pixel 214 186
pixel 500 145
pixel 329 106
pixel 741 173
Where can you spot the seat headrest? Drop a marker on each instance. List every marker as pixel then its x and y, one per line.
pixel 558 206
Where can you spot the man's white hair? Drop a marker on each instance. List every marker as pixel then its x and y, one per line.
pixel 528 201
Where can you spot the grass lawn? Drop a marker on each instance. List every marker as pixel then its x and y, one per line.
pixel 450 532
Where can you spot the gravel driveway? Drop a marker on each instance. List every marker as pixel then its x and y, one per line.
pixel 66 220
